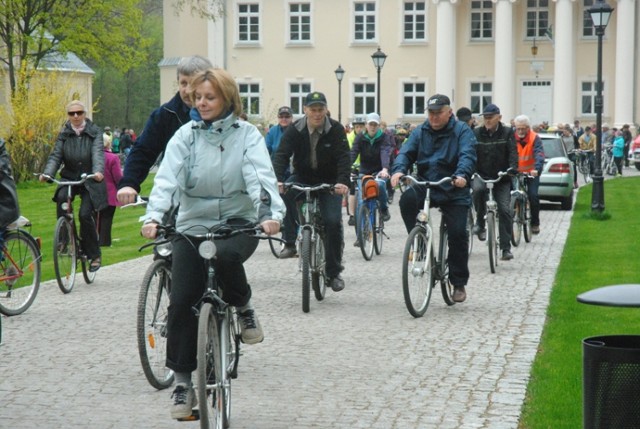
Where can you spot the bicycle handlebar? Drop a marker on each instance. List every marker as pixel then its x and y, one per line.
pixel 140 201
pixel 83 178
pixel 501 174
pixel 305 188
pixel 426 183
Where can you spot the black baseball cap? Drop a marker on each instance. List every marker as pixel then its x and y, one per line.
pixel 437 102
pixel 315 98
pixel 285 111
pixel 491 109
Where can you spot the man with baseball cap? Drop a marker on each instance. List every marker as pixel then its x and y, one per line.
pixel 441 147
pixel 320 152
pixel 496 151
pixel 272 139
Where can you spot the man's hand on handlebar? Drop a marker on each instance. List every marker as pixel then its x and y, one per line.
pixel 340 189
pixel 270 227
pixel 98 177
pixel 127 195
pixel 459 181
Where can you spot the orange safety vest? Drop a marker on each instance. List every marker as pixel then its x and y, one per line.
pixel 526 155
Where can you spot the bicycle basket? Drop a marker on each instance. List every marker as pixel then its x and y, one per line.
pixel 370 189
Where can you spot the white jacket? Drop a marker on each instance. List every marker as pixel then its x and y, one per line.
pixel 215 173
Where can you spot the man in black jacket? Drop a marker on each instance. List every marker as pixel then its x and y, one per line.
pixel 160 127
pixel 496 151
pixel 320 152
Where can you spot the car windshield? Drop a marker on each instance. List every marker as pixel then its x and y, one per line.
pixel 553 147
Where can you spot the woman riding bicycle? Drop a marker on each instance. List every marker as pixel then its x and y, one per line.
pixel 79 148
pixel 218 169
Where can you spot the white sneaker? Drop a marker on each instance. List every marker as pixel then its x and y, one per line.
pixel 184 401
pixel 250 328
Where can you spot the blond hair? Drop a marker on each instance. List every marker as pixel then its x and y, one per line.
pixel 223 83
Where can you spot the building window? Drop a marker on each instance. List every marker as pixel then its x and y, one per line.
pixel 364 98
pixel 482 19
pixel 250 96
pixel 415 21
pixel 587 24
pixel 297 94
pixel 481 96
pixel 248 22
pixel 537 18
pixel 365 21
pixel 414 98
pixel 588 97
pixel 299 22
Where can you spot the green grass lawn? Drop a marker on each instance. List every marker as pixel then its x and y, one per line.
pixel 597 253
pixel 37 206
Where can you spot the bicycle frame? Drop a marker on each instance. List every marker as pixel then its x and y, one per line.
pixel 491 218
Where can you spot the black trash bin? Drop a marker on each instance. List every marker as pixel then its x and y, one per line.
pixel 611 382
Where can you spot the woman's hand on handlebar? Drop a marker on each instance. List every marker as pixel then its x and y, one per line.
pixel 98 177
pixel 270 227
pixel 149 230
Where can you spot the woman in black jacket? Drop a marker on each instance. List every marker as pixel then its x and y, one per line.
pixel 79 149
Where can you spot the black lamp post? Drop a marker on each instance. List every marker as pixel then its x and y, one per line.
pixel 339 75
pixel 600 13
pixel 378 58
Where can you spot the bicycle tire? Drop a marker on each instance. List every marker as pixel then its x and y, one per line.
pixel 518 220
pixel 365 231
pixel 378 230
pixel 491 241
pixel 470 225
pixel 306 269
pixel 276 247
pixel 417 271
pixel 21 268
pixel 226 355
pixel 151 327
pixel 89 276
pixel 206 372
pixel 443 268
pixel 65 254
pixel 526 226
pixel 318 276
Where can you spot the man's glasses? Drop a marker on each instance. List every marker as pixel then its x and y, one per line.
pixel 79 113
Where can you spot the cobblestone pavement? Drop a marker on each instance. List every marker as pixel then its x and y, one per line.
pixel 357 360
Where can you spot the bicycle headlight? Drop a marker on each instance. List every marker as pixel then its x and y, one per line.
pixel 207 249
pixel 164 249
pixel 422 216
pixel 64 206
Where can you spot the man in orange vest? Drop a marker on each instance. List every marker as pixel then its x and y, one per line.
pixel 530 160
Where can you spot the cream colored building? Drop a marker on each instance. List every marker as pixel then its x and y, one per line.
pixel 476 52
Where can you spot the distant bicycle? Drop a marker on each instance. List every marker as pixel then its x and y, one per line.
pixel 583 162
pixel 369 223
pixel 67 248
pixel 20 268
pixel 521 209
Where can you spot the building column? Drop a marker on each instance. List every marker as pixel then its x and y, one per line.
pixel 625 55
pixel 446 48
pixel 504 84
pixel 564 70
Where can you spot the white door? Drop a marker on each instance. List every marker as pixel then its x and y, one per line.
pixel 536 100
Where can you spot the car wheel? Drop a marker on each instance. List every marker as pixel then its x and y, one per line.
pixel 567 202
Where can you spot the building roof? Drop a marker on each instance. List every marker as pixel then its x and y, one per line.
pixel 65 62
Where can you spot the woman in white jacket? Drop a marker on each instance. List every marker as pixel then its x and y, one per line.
pixel 217 169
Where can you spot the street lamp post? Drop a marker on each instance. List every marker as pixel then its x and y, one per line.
pixel 600 13
pixel 378 58
pixel 339 75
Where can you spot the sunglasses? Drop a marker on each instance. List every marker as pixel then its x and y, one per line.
pixel 79 113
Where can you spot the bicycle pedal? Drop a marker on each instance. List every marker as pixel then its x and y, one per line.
pixel 195 416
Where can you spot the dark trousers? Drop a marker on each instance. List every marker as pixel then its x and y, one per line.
pixel 534 200
pixel 87 222
pixel 502 195
pixel 455 217
pixel 618 160
pixel 331 212
pixel 188 280
pixel 104 225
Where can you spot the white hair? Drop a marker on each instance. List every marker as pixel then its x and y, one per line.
pixel 522 119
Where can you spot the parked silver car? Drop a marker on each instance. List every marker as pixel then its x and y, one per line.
pixel 556 180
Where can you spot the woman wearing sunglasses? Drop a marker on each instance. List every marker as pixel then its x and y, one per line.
pixel 79 150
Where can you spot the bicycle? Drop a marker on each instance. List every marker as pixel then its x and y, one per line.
pixel 20 268
pixel 311 243
pixel 471 215
pixel 421 267
pixel 583 162
pixel 491 219
pixel 67 248
pixel 608 163
pixel 369 223
pixel 152 311
pixel 218 345
pixel 521 210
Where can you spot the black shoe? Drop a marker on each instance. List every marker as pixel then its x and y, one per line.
pixel 289 251
pixel 95 265
pixel 506 255
pixel 459 294
pixel 336 283
pixel 356 243
pixel 386 216
pixel 352 221
pixel 480 232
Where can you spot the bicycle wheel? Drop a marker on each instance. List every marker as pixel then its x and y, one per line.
pixel 65 254
pixel 518 220
pixel 227 359
pixel 443 268
pixel 88 275
pixel 318 277
pixel 151 329
pixel 417 271
pixel 491 241
pixel 470 224
pixel 276 247
pixel 365 231
pixel 306 269
pixel 526 223
pixel 378 230
pixel 208 371
pixel 585 169
pixel 20 271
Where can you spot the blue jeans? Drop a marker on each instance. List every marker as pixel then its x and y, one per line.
pixel 502 195
pixel 455 217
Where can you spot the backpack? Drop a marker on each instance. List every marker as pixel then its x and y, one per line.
pixel 370 188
